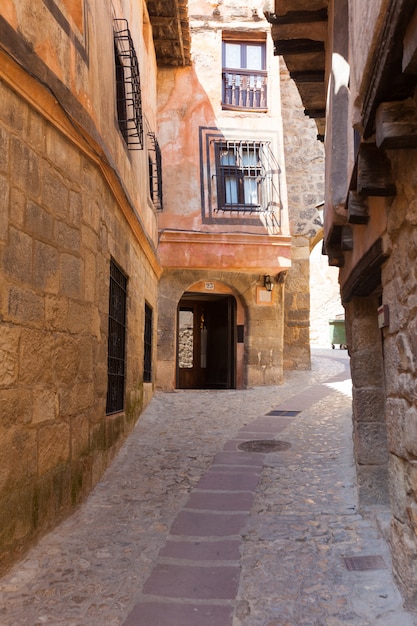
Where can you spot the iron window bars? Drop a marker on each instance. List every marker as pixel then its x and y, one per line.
pixel 116 340
pixel 128 92
pixel 155 172
pixel 246 175
pixel 147 341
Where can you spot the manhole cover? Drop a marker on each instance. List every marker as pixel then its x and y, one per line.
pixel 264 445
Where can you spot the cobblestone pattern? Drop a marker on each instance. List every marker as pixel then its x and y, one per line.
pixel 92 569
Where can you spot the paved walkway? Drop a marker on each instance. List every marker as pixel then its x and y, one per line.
pixel 186 529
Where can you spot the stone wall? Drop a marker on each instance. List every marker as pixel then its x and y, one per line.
pixel 399 282
pixel 59 226
pixel 304 161
pixel 259 359
pixel 369 430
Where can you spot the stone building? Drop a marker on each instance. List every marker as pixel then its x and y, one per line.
pixel 146 238
pixel 355 64
pixel 79 269
pixel 224 239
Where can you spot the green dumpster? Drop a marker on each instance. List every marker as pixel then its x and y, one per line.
pixel 337 333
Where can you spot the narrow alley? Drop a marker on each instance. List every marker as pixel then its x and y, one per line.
pixel 187 529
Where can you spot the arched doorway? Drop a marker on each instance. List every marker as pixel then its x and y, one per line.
pixel 206 341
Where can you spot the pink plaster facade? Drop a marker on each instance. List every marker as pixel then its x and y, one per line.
pixel 195 234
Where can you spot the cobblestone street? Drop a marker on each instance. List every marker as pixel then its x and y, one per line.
pixel 186 529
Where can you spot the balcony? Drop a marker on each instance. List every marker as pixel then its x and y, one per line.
pixel 244 90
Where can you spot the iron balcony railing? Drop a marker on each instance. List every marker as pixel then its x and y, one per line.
pixel 244 89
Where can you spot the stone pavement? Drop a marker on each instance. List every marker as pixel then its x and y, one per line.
pixel 186 529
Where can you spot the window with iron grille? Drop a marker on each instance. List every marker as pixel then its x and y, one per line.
pixel 245 173
pixel 244 75
pixel 116 340
pixel 147 341
pixel 155 172
pixel 128 92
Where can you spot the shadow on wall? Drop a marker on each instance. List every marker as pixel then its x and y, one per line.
pixel 325 302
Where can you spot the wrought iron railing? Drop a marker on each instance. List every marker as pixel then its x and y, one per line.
pixel 129 99
pixel 155 172
pixel 244 89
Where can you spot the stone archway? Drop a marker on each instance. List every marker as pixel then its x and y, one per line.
pixel 212 303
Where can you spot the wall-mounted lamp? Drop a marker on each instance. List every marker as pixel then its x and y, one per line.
pixel 268 284
pixel 215 5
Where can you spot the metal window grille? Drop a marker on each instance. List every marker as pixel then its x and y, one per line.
pixel 128 92
pixel 147 341
pixel 116 340
pixel 247 176
pixel 155 172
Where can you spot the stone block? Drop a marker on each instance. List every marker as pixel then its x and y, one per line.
pixel 38 221
pixel 89 238
pixel 66 236
pixel 45 267
pixel 15 407
pixel 115 427
pixel 366 368
pixel 45 405
pixel 17 208
pixel 35 362
pixel 397 481
pixel 17 256
pixel 63 155
pixel 404 559
pixel 14 528
pixel 75 207
pixel 25 307
pixel 372 484
pixel 76 399
pixel 394 418
pixel 80 436
pixel 53 446
pixel 370 443
pixel 19 456
pixel 410 431
pixel 56 312
pixel 55 195
pixel 24 164
pixel 36 132
pixel 4 207
pixel 4 150
pixel 83 318
pixel 70 275
pixel 51 497
pixel 13 110
pixel 90 276
pixel 9 363
pixel 368 404
pixel 66 357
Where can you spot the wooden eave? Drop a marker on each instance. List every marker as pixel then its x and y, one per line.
pixel 388 80
pixel 171 31
pixel 299 31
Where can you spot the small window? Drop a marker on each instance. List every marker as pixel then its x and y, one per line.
pixel 147 342
pixel 128 91
pixel 245 172
pixel 244 75
pixel 116 340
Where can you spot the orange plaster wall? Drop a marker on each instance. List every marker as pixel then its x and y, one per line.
pixel 8 11
pixel 228 252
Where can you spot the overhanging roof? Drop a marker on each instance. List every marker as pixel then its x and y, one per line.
pixel 299 31
pixel 171 31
